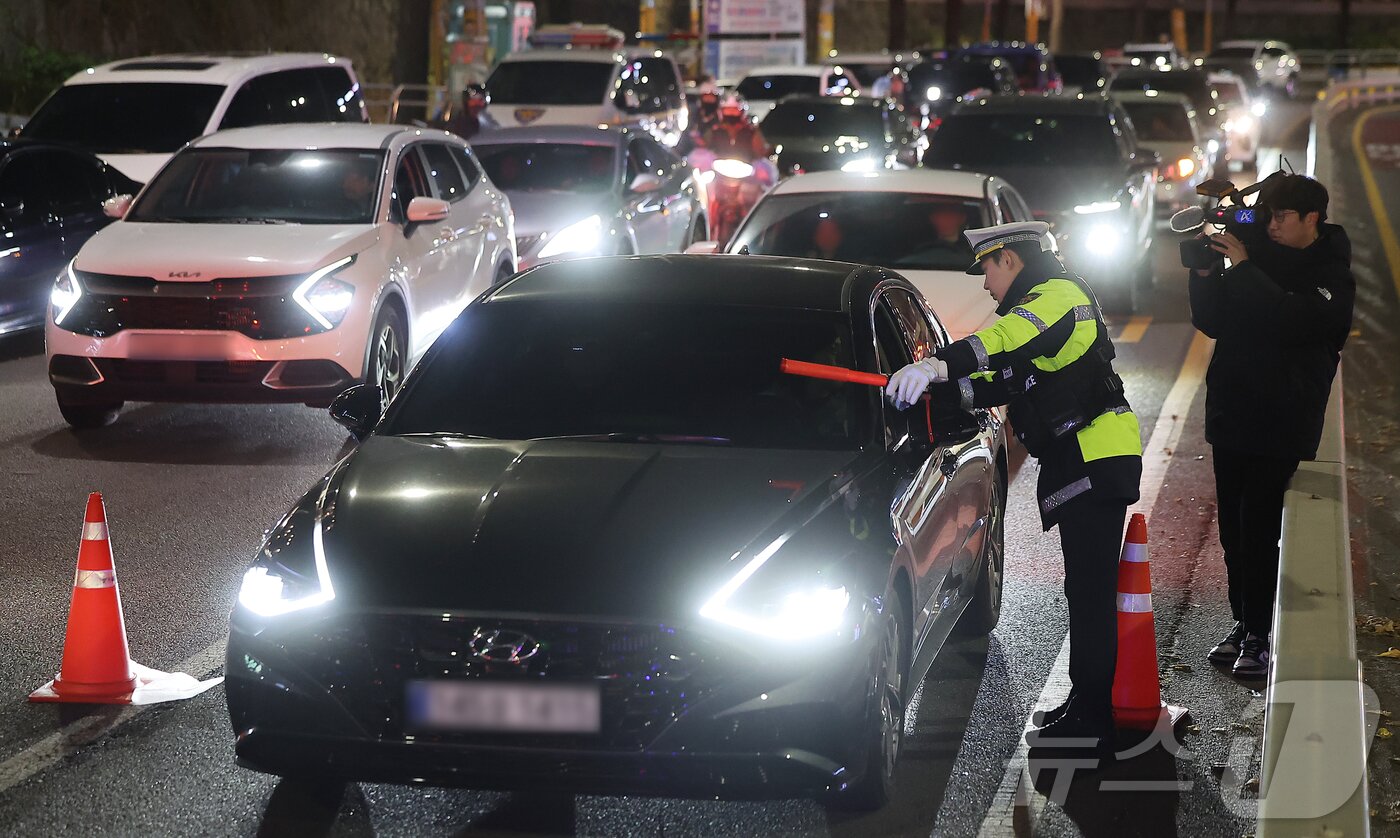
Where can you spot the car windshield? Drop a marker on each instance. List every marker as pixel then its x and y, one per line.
pixel 969 140
pixel 1227 93
pixel 952 79
pixel 1233 52
pixel 895 230
pixel 127 118
pixel 776 87
pixel 1192 85
pixel 549 83
pixel 1160 121
pixel 1081 70
pixel 868 73
pixel 622 371
pixel 549 167
pixel 790 121
pixel 264 186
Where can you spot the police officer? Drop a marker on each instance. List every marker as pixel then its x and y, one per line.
pixel 1049 358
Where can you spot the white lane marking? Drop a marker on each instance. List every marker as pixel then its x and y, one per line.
pixel 57 746
pixel 1002 818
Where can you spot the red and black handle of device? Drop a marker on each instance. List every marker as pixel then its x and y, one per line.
pixel 830 373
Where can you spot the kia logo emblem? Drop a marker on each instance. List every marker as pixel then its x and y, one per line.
pixel 502 646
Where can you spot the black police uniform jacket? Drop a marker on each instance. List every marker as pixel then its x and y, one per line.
pixel 1279 320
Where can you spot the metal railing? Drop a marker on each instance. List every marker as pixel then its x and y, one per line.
pixel 1318 66
pixel 407 103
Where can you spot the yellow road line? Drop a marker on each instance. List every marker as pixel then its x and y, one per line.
pixel 1373 195
pixel 1136 328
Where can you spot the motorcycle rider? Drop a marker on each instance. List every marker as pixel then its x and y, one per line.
pixel 472 118
pixel 734 135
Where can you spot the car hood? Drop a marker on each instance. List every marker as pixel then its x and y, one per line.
pixel 958 299
pixel 1052 190
pixel 550 212
pixel 201 252
pixel 556 526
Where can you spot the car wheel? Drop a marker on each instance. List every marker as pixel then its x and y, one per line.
pixel 885 731
pixel 85 416
pixel 984 610
pixel 387 354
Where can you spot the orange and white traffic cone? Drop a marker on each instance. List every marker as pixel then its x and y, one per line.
pixel 97 666
pixel 1137 691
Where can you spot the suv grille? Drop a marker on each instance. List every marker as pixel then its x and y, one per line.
pixel 259 307
pixel 649 675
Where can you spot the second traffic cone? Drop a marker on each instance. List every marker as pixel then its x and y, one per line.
pixel 1137 690
pixel 96 663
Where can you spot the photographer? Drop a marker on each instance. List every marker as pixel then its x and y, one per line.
pixel 1280 315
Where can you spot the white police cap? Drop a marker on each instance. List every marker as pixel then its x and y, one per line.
pixel 988 240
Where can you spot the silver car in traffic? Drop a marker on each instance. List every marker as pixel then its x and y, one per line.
pixel 592 191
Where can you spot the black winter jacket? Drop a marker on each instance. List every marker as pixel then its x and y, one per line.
pixel 1279 320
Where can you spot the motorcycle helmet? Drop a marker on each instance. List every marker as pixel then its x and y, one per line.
pixel 734 108
pixel 476 94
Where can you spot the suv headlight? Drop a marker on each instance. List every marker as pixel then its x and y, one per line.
pixel 580 237
pixel 324 297
pixel 66 293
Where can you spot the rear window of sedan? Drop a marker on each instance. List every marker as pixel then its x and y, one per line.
pixel 549 167
pixel 966 141
pixel 627 372
pixel 1165 121
pixel 776 87
pixel 795 120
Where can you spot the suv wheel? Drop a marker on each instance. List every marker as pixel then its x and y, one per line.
pixel 84 416
pixel 387 354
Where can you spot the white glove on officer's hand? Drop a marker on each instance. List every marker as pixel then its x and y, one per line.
pixel 909 383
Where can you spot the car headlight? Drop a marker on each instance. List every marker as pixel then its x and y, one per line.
pixel 736 169
pixel 1097 207
pixel 581 237
pixel 1242 125
pixel 324 297
pixel 284 578
pixel 797 615
pixel 1185 167
pixel 65 294
pixel 860 164
pixel 1259 107
pixel 934 93
pixel 1103 239
pixel 1212 146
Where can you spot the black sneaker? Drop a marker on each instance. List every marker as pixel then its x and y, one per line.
pixel 1227 651
pixel 1253 661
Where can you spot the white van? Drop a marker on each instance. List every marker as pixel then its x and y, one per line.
pixel 135 113
pixel 582 76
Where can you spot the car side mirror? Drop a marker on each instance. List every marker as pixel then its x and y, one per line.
pixel 702 248
pixel 11 206
pixel 644 183
pixel 359 409
pixel 422 209
pixel 116 206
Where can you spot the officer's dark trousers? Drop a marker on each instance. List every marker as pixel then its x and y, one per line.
pixel 1249 495
pixel 1091 537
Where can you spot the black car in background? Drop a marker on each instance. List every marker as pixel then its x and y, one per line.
pixel 1078 164
pixel 599 542
pixel 50 204
pixel 1083 72
pixel 847 133
pixel 936 84
pixel 1195 85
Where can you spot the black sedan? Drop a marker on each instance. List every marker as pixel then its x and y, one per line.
pixel 850 133
pixel 50 203
pixel 599 542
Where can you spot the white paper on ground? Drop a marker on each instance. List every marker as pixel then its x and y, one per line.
pixel 154 686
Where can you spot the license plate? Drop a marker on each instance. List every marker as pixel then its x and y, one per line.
pixel 177 347
pixel 503 707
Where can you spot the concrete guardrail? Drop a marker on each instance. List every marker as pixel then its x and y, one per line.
pixel 1319 715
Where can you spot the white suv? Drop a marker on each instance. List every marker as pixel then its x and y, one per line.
pixel 277 264
pixel 136 113
pixel 587 85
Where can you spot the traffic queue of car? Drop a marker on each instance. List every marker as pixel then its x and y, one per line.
pixel 738 576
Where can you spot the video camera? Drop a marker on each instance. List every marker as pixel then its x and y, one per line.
pixel 1235 217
